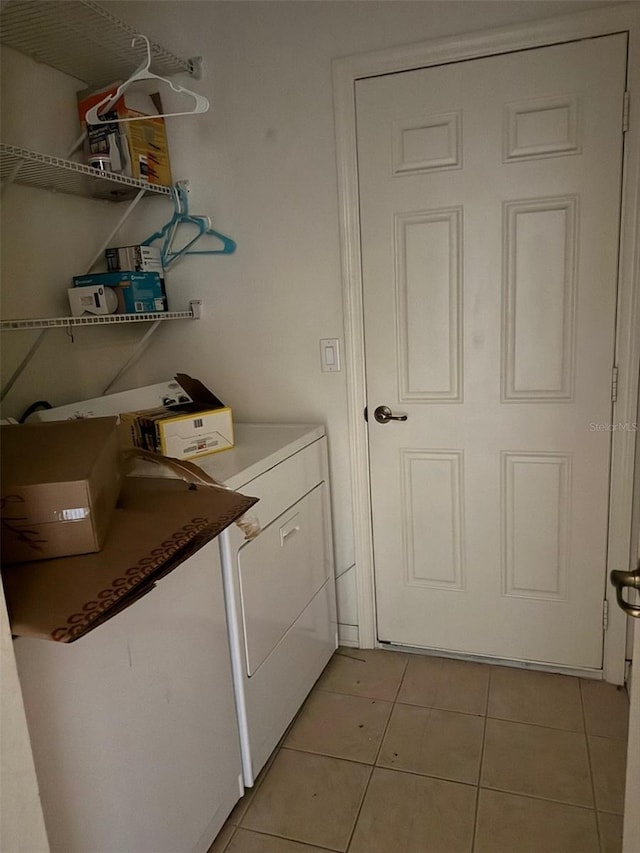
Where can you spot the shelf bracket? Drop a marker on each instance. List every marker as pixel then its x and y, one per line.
pixel 106 243
pixel 135 355
pixel 195 67
pixel 13 174
pixel 36 344
pixel 196 309
pixel 25 361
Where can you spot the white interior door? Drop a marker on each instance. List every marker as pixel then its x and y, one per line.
pixel 632 793
pixel 490 194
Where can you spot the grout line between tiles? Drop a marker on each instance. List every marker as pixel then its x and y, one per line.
pixel 340 693
pixel 589 762
pixel 537 797
pixel 486 703
pixel 484 737
pixel 384 732
pixel 287 838
pixel 393 707
pixel 229 840
pixel 327 755
pixel 354 695
pixel 377 755
pixel 535 725
pixel 434 707
pixel 401 680
pixel 359 810
pixel 419 775
pixel 437 682
pixel 477 804
pixel 413 772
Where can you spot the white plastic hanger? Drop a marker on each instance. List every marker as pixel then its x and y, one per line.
pixel 143 73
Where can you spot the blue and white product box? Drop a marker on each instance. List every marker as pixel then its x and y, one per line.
pixel 137 292
pixel 134 259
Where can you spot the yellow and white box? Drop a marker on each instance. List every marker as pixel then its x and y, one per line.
pixel 180 435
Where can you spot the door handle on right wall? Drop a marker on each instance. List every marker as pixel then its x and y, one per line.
pixel 629 579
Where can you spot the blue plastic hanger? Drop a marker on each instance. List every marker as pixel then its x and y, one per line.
pixel 181 217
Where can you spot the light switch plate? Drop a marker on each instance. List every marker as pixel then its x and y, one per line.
pixel 330 355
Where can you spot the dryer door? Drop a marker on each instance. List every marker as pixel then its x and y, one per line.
pixel 280 572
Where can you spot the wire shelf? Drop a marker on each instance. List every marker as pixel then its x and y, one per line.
pixel 80 38
pixel 53 173
pixel 96 320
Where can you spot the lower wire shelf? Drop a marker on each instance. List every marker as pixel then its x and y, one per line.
pixel 193 313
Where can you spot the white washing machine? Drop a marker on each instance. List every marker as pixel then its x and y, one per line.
pixel 134 726
pixel 279 587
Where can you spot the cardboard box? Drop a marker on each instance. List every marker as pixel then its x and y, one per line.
pixel 157 525
pixel 134 259
pixel 60 484
pixel 148 148
pixel 183 436
pixel 136 292
pixel 169 394
pixel 138 147
pixel 185 432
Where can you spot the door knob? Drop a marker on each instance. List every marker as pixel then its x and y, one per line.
pixel 383 415
pixel 630 579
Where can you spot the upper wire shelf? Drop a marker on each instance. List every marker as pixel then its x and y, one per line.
pixel 80 38
pixel 53 173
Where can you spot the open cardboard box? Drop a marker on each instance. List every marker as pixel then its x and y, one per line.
pixel 202 426
pixel 181 418
pixel 157 524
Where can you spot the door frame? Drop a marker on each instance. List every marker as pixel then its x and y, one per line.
pixel 540 33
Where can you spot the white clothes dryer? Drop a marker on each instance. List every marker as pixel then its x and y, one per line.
pixel 280 586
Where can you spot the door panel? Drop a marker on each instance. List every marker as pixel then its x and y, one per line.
pixel 489 195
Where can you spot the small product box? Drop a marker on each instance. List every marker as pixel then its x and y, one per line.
pixel 60 484
pixel 147 143
pixel 92 299
pixel 134 259
pixel 136 292
pixel 185 432
pixel 136 148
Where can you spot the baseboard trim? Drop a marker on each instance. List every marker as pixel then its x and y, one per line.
pixel 348 635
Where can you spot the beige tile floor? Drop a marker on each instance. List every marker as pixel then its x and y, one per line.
pixel 398 753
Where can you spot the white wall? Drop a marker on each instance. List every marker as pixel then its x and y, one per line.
pixel 262 162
